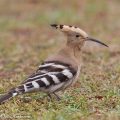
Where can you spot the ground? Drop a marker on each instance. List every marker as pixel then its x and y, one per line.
pixel 26 39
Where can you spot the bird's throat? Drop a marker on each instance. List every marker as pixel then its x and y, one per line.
pixel 73 51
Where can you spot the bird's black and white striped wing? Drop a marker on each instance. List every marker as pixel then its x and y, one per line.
pixel 49 74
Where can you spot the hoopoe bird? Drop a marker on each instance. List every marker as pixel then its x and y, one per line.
pixel 58 71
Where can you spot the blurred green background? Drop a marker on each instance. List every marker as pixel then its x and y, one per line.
pixel 26 39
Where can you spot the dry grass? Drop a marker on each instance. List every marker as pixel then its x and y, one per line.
pixel 26 40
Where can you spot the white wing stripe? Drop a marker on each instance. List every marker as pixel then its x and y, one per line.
pixel 46 65
pixel 35 84
pixel 67 73
pixel 55 79
pixel 36 77
pixel 45 81
pixel 59 66
pixel 25 88
pixel 14 94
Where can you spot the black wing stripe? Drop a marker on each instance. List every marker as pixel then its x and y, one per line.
pixel 73 71
pixel 51 69
pixel 41 83
pixel 50 79
pixel 29 85
pixel 61 77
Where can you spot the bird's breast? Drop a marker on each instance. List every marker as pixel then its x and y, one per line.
pixel 77 75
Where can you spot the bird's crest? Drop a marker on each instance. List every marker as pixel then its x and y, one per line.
pixel 69 28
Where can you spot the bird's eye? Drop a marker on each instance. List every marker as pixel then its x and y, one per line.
pixel 77 36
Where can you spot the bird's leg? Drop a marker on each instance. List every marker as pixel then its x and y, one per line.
pixel 57 97
pixel 49 95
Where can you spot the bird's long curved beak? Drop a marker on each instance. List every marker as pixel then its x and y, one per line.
pixel 94 40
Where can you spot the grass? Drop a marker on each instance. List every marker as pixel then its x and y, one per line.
pixel 26 40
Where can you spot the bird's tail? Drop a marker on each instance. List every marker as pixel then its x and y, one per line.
pixel 12 93
pixel 7 96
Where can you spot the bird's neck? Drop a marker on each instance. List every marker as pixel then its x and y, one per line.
pixel 73 51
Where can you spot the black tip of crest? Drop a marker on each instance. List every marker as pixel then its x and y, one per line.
pixel 54 25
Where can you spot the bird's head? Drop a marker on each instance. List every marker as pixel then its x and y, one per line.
pixel 75 35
